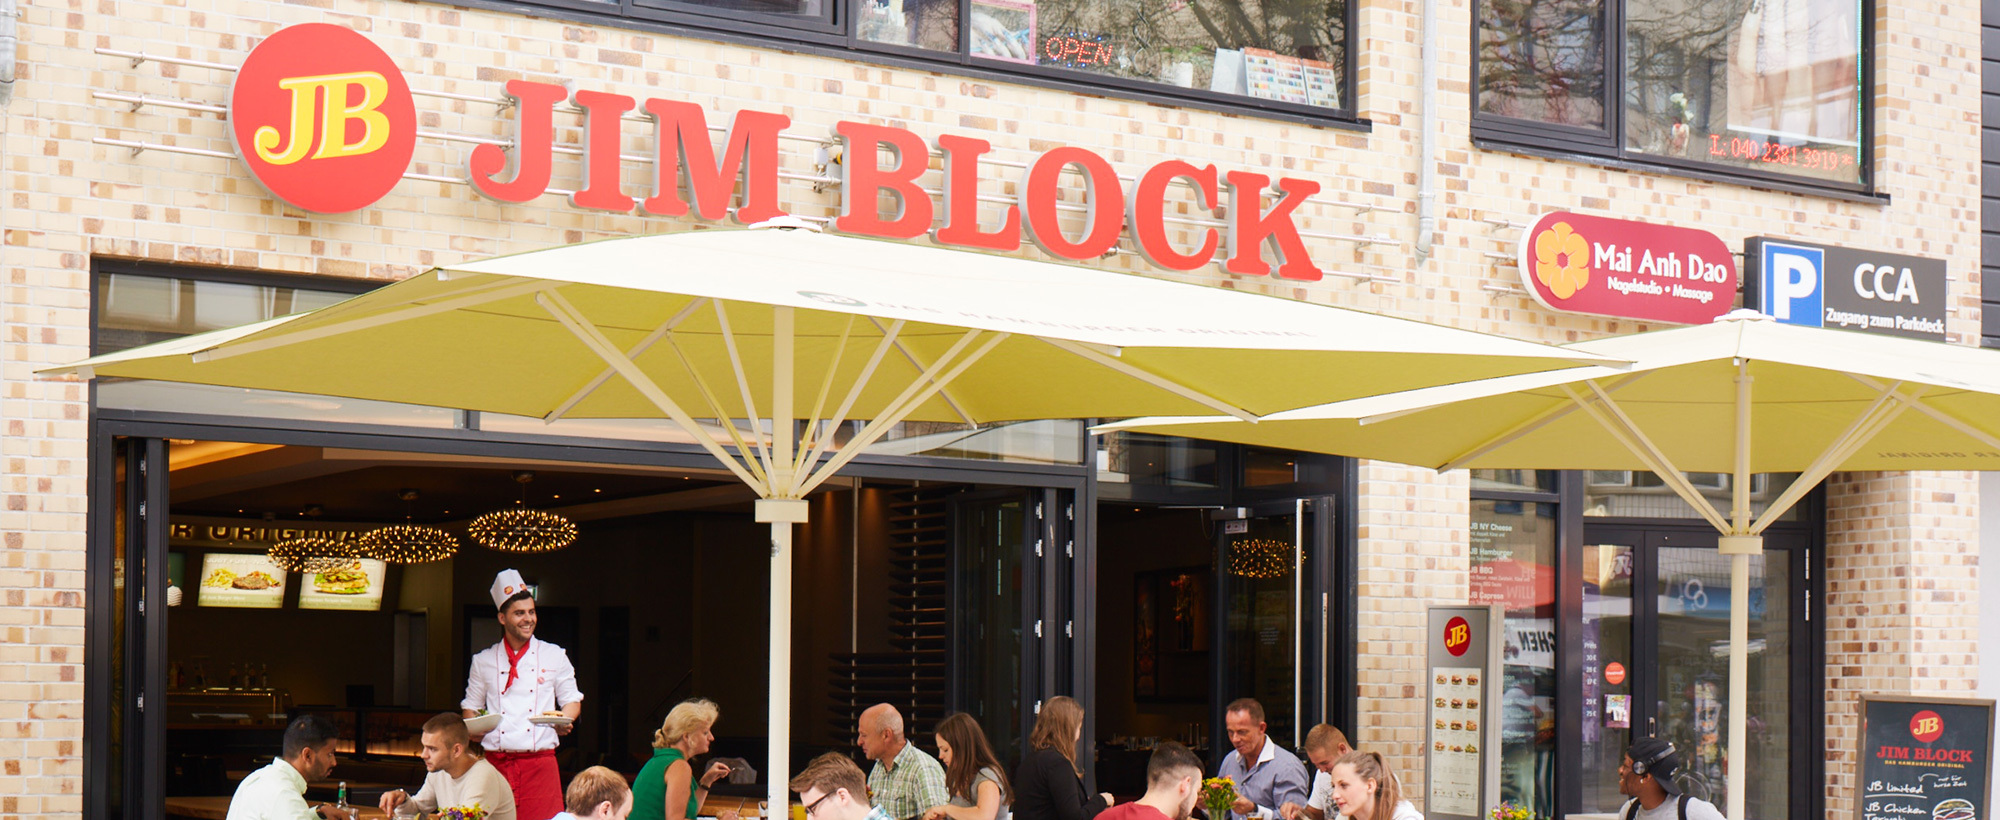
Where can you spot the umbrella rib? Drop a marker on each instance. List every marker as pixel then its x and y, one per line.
pixel 505 289
pixel 919 364
pixel 1098 357
pixel 634 353
pixel 595 340
pixel 743 384
pixel 722 418
pixel 861 379
pixel 912 398
pixel 1553 414
pixel 1613 418
pixel 1872 421
pixel 1938 415
pixel 825 387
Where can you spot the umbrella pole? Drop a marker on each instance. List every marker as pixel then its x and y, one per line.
pixel 1739 544
pixel 781 514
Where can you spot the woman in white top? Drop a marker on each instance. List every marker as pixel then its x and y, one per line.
pixel 1365 789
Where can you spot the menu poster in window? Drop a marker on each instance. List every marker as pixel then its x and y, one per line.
pixel 247 580
pixel 1274 76
pixel 1925 758
pixel 1463 742
pixel 355 586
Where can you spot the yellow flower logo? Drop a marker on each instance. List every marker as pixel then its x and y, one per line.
pixel 1562 260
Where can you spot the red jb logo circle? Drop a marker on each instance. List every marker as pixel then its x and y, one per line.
pixel 323 118
pixel 1926 726
pixel 1457 636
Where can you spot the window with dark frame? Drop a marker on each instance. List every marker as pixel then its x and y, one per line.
pixel 1288 56
pixel 1751 88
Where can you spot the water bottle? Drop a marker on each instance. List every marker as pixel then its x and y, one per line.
pixel 341 801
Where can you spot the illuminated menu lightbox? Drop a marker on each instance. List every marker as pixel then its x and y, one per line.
pixel 357 586
pixel 244 580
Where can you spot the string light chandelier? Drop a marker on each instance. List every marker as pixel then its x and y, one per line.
pixel 1260 558
pixel 408 543
pixel 521 528
pixel 310 554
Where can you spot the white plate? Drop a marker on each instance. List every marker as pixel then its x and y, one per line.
pixel 482 724
pixel 550 720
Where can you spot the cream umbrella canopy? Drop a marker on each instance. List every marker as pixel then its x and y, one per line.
pixel 798 332
pixel 1742 395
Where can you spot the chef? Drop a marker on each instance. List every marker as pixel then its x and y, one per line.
pixel 523 679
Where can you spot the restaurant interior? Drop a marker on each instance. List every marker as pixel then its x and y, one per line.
pixel 663 596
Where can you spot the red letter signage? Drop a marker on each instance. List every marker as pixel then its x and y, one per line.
pixel 534 141
pixel 1149 212
pixel 684 153
pixel 1040 192
pixel 863 180
pixel 961 200
pixel 601 119
pixel 1251 228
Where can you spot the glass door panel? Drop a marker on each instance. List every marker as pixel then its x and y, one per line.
pixel 1262 580
pixel 1514 564
pixel 992 615
pixel 1610 702
pixel 1693 601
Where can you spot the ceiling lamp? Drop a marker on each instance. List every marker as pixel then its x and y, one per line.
pixel 408 543
pixel 521 529
pixel 1260 558
pixel 310 554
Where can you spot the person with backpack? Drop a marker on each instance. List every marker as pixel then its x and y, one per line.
pixel 1647 776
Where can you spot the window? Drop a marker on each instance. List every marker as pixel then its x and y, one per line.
pixel 1288 56
pixel 1756 88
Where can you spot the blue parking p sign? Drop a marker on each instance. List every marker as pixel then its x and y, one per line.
pixel 1803 283
pixel 1792 286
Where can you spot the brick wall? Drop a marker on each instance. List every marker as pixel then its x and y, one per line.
pixel 67 200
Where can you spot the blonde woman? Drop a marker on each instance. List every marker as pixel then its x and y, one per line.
pixel 666 789
pixel 1048 785
pixel 1365 789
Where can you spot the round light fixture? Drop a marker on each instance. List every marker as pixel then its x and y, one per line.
pixel 409 544
pixel 310 554
pixel 1260 558
pixel 522 529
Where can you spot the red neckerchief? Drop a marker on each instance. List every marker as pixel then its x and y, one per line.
pixel 513 661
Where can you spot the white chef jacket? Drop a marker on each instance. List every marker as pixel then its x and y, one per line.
pixel 546 683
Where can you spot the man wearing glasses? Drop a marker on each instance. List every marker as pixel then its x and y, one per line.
pixel 833 788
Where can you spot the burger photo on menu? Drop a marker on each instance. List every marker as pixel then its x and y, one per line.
pixel 1953 809
pixel 347 580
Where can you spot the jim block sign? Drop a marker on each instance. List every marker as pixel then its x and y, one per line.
pixel 1802 283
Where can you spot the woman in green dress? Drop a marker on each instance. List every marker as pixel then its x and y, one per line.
pixel 666 789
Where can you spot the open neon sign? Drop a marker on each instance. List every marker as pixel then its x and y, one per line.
pixel 1077 50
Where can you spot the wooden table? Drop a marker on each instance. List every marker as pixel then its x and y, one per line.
pixel 217 808
pixel 745 807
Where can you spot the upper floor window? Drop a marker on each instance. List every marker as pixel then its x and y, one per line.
pixel 1288 56
pixel 1757 88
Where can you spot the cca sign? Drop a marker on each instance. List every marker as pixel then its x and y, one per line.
pixel 323 118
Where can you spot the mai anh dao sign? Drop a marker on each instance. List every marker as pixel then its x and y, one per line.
pixel 1802 283
pixel 1633 270
pixel 324 120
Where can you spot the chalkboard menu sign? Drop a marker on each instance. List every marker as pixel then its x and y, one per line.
pixel 1925 758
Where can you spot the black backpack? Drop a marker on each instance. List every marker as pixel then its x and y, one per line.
pixel 1632 808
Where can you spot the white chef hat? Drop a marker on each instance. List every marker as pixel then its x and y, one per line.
pixel 507 585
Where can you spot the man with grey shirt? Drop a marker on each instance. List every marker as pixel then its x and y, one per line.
pixel 1647 776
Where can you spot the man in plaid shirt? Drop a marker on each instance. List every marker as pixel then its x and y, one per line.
pixel 905 780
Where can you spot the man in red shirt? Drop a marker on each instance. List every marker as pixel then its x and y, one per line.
pixel 1173 784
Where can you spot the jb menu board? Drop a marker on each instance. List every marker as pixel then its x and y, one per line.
pixel 1925 758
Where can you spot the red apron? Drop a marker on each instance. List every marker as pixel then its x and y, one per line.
pixel 536 782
